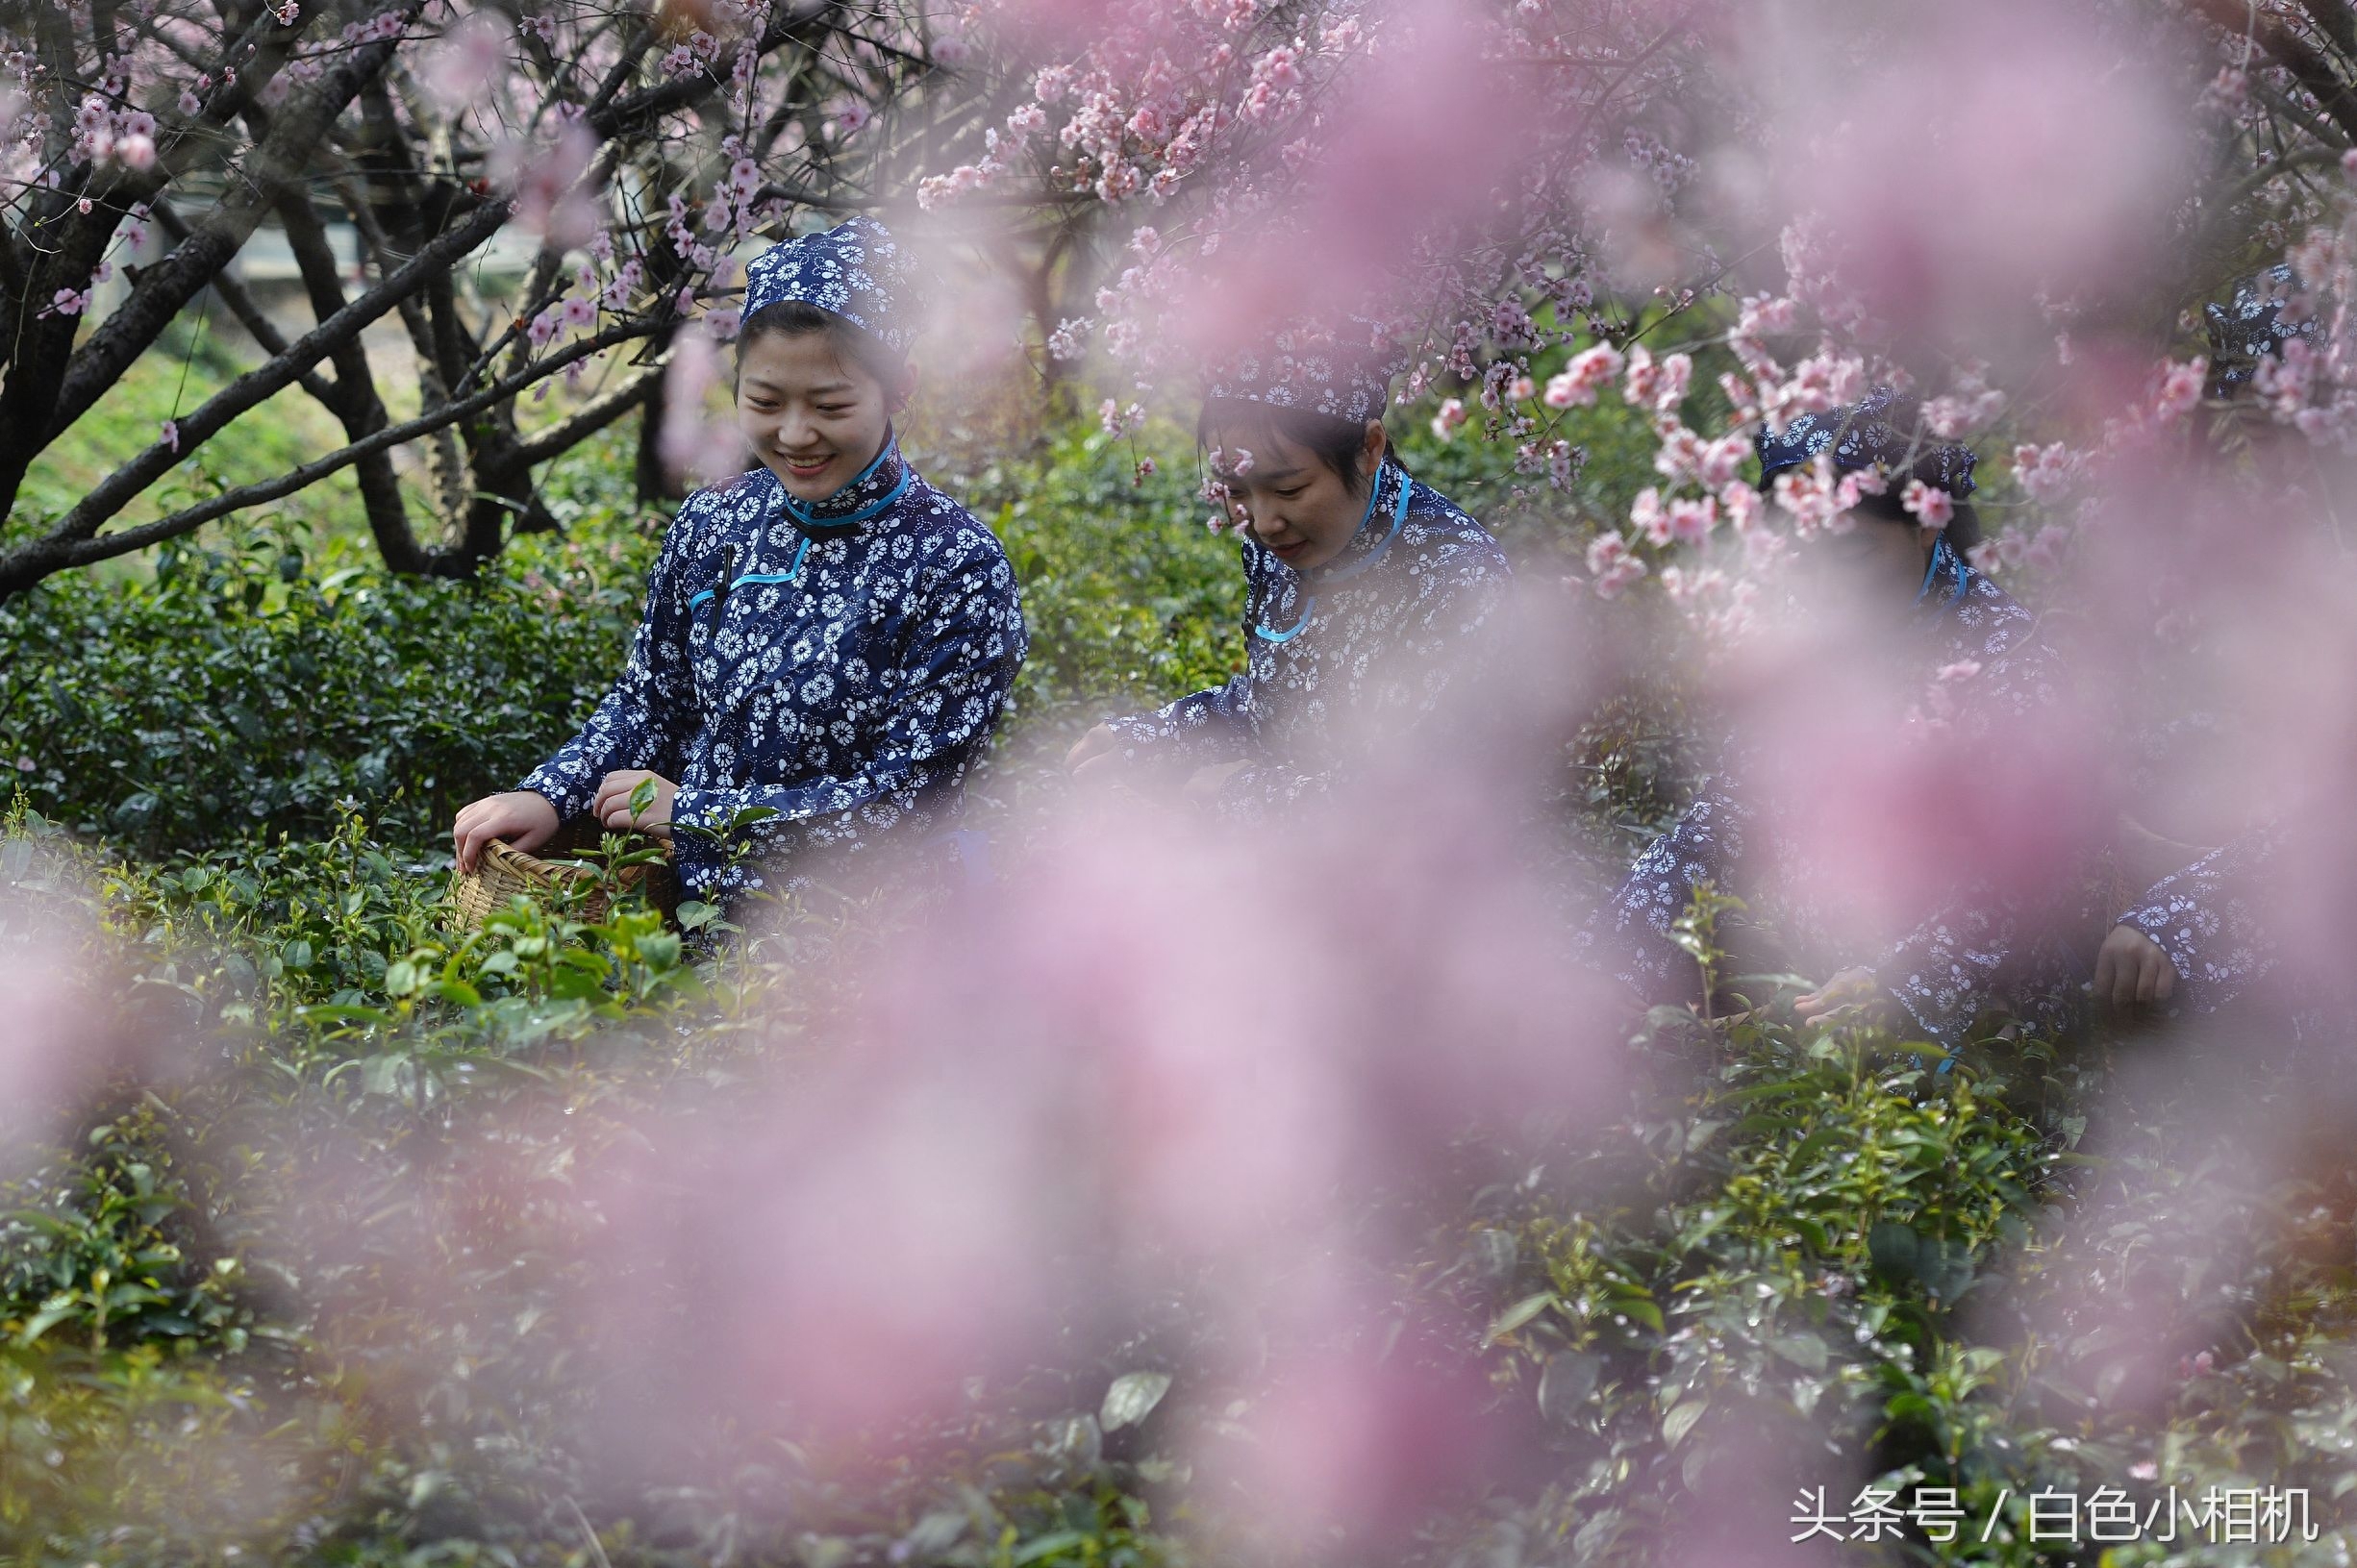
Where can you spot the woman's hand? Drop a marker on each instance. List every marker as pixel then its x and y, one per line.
pixel 613 808
pixel 2131 968
pixel 1848 988
pixel 521 818
pixel 1204 786
pixel 1096 754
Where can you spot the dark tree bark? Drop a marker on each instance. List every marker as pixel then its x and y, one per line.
pixel 300 123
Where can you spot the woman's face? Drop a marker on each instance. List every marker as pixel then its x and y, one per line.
pixel 1297 507
pixel 1871 562
pixel 814 417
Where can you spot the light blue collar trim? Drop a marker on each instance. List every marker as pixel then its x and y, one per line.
pixel 813 514
pixel 1943 555
pixel 1326 577
pixel 801 553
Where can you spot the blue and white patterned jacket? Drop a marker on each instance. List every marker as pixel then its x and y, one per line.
pixel 845 680
pixel 1344 657
pixel 1978 946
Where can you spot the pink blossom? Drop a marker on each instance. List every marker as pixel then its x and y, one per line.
pixel 170 429
pixel 579 312
pixel 1680 454
pixel 1649 516
pixel 1931 507
pixel 1451 415
pixel 1720 461
pixel 135 152
pixel 1741 504
pixel 1611 565
pixel 2044 472
pixel 693 444
pixel 68 302
pixel 1691 522
pixel 1564 462
pixel 1687 586
pixel 1581 379
pixel 2181 388
pixel 2044 552
pixel 1658 386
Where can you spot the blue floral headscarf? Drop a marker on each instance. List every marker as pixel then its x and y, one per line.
pixel 855 270
pixel 2252 326
pixel 1343 376
pixel 1879 431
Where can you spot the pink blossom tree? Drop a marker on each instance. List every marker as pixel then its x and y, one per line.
pixel 1749 215
pixel 637 147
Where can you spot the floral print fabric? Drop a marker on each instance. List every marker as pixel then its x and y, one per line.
pixel 2207 919
pixel 1952 962
pixel 846 679
pixel 1380 640
pixel 855 270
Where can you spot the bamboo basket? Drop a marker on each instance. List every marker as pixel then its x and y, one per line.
pixel 503 872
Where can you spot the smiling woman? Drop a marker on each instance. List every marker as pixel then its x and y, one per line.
pixel 829 641
pixel 816 396
pixel 1373 599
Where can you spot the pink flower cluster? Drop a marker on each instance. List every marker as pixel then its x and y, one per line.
pixel 1588 371
pixel 1135 110
pixel 1612 566
pixel 123 136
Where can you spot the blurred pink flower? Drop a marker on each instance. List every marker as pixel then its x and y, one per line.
pixel 1931 507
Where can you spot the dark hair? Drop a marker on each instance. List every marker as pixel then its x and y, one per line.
pixel 798 319
pixel 1963 524
pixel 1334 443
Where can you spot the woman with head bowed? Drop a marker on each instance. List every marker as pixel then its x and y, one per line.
pixel 2210 931
pixel 1896 569
pixel 828 640
pixel 1372 600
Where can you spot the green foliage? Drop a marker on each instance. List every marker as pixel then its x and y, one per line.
pixel 1130 600
pixel 97 1251
pixel 1792 1239
pixel 235 695
pixel 186 366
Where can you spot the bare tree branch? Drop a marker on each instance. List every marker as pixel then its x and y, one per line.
pixel 250 315
pixel 20 568
pixel 556 440
pixel 2332 93
pixel 166 287
pixel 118 489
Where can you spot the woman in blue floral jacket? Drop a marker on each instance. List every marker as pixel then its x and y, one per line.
pixel 1980 944
pixel 828 640
pixel 1373 602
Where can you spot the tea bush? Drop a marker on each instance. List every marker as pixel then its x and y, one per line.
pixel 260 1307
